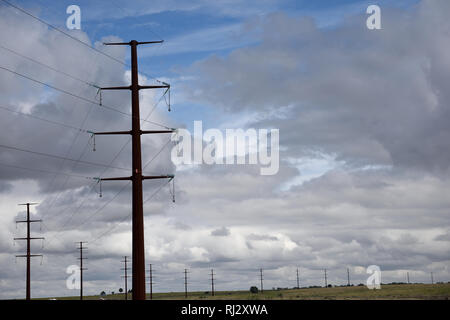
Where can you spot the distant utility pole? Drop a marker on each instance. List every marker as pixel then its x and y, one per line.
pixel 125 276
pixel 326 283
pixel 212 282
pixel 298 280
pixel 407 277
pixel 261 279
pixel 185 282
pixel 432 280
pixel 81 258
pixel 348 277
pixel 150 280
pixel 138 256
pixel 28 255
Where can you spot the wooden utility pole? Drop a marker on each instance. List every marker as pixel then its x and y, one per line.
pixel 326 282
pixel 298 280
pixel 432 280
pixel 348 277
pixel 28 255
pixel 138 255
pixel 185 282
pixel 212 282
pixel 261 279
pixel 150 280
pixel 407 277
pixel 125 276
pixel 81 258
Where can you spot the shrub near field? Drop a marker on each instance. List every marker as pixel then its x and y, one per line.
pixel 387 292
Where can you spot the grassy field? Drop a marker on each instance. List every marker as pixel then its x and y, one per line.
pixel 387 292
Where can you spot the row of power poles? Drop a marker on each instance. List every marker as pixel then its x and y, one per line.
pixel 138 253
pixel 81 258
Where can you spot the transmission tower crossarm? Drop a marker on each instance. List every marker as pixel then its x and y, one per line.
pixel 116 179
pixel 130 132
pixel 157 131
pixel 116 88
pixel 161 86
pixel 111 132
pixel 21 221
pixel 31 255
pixel 164 86
pixel 130 43
pixel 169 176
pixel 31 238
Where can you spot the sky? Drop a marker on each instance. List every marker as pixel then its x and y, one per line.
pixel 363 118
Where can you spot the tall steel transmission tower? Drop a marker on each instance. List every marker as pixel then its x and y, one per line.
pixel 138 254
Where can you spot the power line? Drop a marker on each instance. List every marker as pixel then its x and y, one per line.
pixel 77 96
pixel 75 39
pixel 129 215
pixel 104 206
pixel 101 174
pixel 63 32
pixel 49 67
pixel 67 154
pixel 79 131
pixel 114 197
pixel 59 157
pixel 44 171
pixel 112 161
pixel 68 126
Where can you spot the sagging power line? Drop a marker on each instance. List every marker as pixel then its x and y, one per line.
pixel 107 107
pixel 76 39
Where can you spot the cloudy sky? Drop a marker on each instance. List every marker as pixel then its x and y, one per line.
pixel 363 117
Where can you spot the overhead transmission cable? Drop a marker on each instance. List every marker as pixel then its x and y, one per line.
pixel 78 96
pixel 50 67
pixel 30 115
pixel 74 38
pixel 60 157
pixel 110 163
